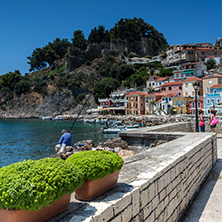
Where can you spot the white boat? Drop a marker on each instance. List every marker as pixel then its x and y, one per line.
pixel 133 126
pixel 90 121
pixel 58 118
pixel 47 118
pixel 113 130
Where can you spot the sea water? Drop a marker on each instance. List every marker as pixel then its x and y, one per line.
pixel 35 139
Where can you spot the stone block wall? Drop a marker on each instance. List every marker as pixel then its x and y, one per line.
pixel 165 194
pixel 157 184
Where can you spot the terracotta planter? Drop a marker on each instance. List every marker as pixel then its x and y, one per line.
pixel 36 216
pixel 94 188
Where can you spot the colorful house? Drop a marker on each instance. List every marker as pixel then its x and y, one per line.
pixel 192 105
pixel 172 87
pixel 213 99
pixel 211 80
pixel 181 105
pixel 135 103
pixel 188 89
pixel 151 102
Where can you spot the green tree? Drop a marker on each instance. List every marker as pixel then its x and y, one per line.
pixel 98 35
pixel 210 64
pixel 166 72
pixel 79 40
pixel 10 79
pixel 105 87
pixel 37 60
pixel 134 29
pixel 138 78
pixel 60 47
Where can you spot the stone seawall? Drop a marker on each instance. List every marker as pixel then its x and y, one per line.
pixel 156 184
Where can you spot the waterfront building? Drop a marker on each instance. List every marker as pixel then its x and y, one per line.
pixel 161 80
pixel 211 80
pixel 188 89
pixel 192 105
pixel 151 102
pixel 181 105
pixel 135 103
pixel 213 99
pixel 172 87
pixel 150 83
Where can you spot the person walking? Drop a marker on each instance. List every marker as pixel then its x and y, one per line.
pixel 65 140
pixel 213 121
pixel 202 121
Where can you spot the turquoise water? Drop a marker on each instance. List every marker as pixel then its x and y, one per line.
pixel 34 139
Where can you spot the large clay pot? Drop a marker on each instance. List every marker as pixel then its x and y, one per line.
pixel 36 216
pixel 94 188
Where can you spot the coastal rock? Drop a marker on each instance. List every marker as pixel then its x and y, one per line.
pixel 118 142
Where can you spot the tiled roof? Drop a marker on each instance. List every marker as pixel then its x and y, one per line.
pixel 136 93
pixel 191 79
pixel 172 83
pixel 162 79
pixel 213 76
pixel 216 86
pixel 201 48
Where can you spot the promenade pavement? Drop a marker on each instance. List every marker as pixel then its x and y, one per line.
pixel 207 206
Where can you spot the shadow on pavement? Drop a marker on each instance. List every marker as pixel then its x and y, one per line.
pixel 196 209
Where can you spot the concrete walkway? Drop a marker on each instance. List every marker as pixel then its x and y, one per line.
pixel 207 206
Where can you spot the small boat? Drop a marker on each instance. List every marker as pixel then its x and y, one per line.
pixel 133 126
pixel 90 121
pixel 58 118
pixel 47 118
pixel 113 130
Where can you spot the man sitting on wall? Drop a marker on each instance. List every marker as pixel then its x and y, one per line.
pixel 65 140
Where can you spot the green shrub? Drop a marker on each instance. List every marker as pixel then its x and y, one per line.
pixel 31 185
pixel 96 164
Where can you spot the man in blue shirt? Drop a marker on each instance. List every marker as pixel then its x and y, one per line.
pixel 65 140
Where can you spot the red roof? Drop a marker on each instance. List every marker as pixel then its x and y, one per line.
pixel 200 48
pixel 170 95
pixel 191 79
pixel 213 76
pixel 136 93
pixel 212 57
pixel 216 86
pixel 189 49
pixel 162 79
pixel 172 84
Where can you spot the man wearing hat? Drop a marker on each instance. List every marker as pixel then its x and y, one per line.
pixel 65 140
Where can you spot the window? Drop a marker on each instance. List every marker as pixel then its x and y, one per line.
pixel 180 87
pixel 163 88
pixel 218 100
pixel 186 93
pixel 169 88
pixel 198 104
pixel 181 102
pixel 169 99
pixel 215 91
pixel 208 101
pixel 162 99
pixel 193 104
pixel 181 111
pixel 186 84
pixel 193 93
pixel 208 111
pixel 176 102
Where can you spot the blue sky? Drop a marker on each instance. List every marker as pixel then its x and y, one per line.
pixel 29 24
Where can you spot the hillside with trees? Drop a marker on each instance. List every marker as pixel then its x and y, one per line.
pixel 63 72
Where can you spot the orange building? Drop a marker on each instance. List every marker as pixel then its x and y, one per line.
pixel 135 103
